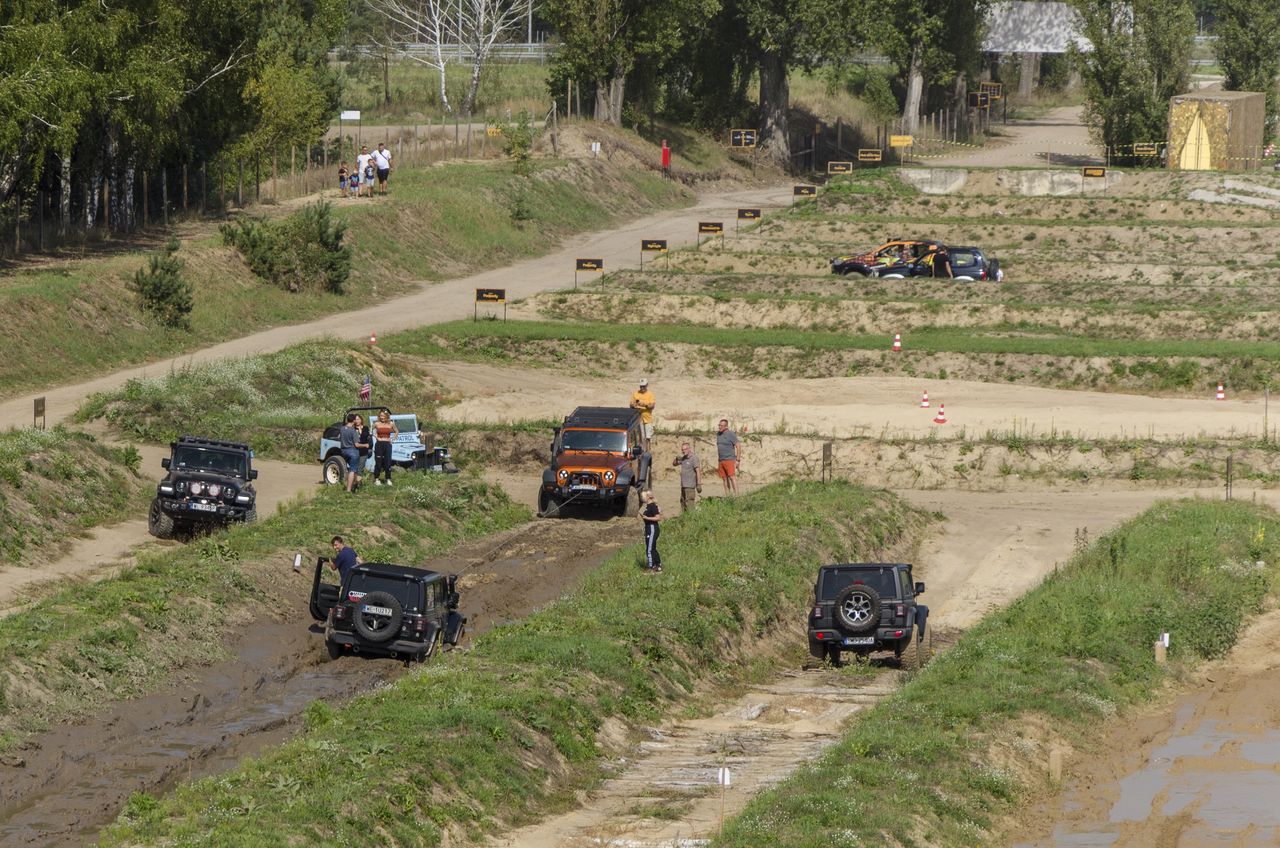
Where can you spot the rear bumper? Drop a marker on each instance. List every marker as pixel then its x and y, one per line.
pixel 880 639
pixel 395 648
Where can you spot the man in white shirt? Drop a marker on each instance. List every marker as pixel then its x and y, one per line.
pixel 362 168
pixel 382 161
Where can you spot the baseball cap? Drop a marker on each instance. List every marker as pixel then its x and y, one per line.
pixel 643 382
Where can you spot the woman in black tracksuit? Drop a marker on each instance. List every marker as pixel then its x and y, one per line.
pixel 650 516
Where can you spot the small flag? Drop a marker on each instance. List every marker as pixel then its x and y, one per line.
pixel 366 391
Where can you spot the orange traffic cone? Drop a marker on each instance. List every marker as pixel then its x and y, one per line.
pixel 1222 393
pixel 924 400
pixel 897 342
pixel 941 417
pixel 373 338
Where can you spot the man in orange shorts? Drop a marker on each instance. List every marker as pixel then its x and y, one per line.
pixel 728 453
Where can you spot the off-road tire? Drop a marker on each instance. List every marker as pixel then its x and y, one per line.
pixel 548 506
pixel 832 653
pixel 631 504
pixel 250 515
pixel 159 523
pixel 917 655
pixel 389 630
pixel 858 608
pixel 334 471
pixel 333 649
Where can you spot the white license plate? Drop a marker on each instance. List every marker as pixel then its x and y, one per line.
pixel 205 507
pixel 371 610
pixel 584 487
pixel 860 640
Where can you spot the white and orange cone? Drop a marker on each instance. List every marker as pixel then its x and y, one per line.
pixel 1222 393
pixel 924 400
pixel 897 342
pixel 941 417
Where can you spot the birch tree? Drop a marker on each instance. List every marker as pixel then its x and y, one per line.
pixel 432 23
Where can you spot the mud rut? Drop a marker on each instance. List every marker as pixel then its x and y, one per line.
pixel 76 779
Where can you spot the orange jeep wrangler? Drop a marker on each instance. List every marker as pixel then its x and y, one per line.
pixel 597 459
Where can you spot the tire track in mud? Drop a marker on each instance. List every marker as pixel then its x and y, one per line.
pixel 73 780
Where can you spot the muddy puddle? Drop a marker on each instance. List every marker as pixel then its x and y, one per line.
pixel 74 780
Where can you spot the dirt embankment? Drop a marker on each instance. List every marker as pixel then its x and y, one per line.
pixel 61 786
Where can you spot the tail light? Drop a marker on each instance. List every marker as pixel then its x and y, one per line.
pixel 817 612
pixel 340 612
pixel 900 611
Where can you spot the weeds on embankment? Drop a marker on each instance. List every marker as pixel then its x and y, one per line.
pixel 82 644
pixel 510 727
pixel 940 761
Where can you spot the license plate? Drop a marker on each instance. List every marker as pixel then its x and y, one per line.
pixel 371 610
pixel 583 487
pixel 860 640
pixel 205 507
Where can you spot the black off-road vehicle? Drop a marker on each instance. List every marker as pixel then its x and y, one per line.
pixel 209 484
pixel 865 607
pixel 387 610
pixel 597 459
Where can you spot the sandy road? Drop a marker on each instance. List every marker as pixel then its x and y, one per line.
pixel 435 302
pixel 1059 138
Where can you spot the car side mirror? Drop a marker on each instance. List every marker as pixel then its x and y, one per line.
pixel 253 475
pixel 636 451
pixel 164 463
pixel 919 588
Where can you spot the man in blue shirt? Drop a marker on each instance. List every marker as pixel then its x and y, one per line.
pixel 345 558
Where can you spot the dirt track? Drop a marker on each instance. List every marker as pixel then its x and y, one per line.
pixel 75 779
pixel 1057 139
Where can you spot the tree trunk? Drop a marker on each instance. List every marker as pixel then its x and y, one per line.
pixel 469 105
pixel 601 113
pixel 775 101
pixel 1029 74
pixel 915 89
pixel 64 196
pixel 617 86
pixel 386 79
pixel 444 94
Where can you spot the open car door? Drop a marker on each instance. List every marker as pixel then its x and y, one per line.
pixel 324 596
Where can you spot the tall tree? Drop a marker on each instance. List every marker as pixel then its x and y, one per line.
pixel 1248 46
pixel 1140 57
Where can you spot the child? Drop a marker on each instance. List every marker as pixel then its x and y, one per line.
pixel 353 183
pixel 367 176
pixel 342 179
pixel 650 516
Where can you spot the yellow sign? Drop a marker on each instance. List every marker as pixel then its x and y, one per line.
pixel 804 191
pixel 710 227
pixel 742 138
pixel 493 132
pixel 654 245
pixel 748 214
pixel 839 167
pixel 1148 149
pixel 491 295
pixel 994 90
pixel 1093 172
pixel 870 154
pixel 901 141
pixel 589 265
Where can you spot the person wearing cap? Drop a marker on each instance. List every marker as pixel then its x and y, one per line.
pixel 643 400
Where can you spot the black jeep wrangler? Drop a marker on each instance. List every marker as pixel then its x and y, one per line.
pixel 864 607
pixel 597 459
pixel 388 610
pixel 208 485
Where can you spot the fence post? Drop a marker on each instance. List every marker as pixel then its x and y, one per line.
pixel 40 221
pixel 274 194
pixel 257 177
pixel 456 136
pixel 164 196
pixel 146 216
pixel 240 185
pixel 204 186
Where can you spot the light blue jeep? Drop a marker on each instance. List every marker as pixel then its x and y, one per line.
pixel 408 451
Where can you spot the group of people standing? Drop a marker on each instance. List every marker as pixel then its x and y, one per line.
pixel 369 166
pixel 357 440
pixel 728 460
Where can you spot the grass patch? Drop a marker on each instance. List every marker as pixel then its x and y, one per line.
pixel 56 483
pixel 80 645
pixel 511 725
pixel 942 760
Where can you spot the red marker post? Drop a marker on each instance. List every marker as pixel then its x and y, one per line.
pixel 666 159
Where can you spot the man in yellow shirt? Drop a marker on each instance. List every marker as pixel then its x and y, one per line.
pixel 643 400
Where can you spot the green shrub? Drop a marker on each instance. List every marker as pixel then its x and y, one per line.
pixel 304 251
pixel 163 292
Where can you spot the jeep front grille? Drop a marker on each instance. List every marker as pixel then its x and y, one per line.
pixel 584 478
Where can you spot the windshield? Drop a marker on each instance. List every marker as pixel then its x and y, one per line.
pixel 204 459
pixel 404 589
pixel 613 441
pixel 834 582
pixel 406 423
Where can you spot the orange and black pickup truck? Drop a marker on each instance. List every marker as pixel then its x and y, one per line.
pixel 597 460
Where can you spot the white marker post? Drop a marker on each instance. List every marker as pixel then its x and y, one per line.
pixel 725 779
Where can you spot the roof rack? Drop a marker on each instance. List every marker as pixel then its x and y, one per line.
pixel 601 416
pixel 202 442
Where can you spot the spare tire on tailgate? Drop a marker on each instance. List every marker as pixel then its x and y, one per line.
pixel 858 608
pixel 376 626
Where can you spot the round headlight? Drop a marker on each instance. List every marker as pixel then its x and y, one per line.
pixel 197 487
pixel 563 474
pixel 214 490
pixel 608 476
